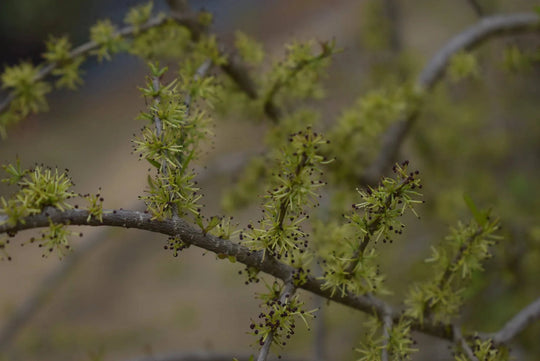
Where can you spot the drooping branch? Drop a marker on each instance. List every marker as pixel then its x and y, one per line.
pixel 483 30
pixel 179 227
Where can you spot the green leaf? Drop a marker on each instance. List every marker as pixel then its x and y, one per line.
pixel 479 216
pixel 154 163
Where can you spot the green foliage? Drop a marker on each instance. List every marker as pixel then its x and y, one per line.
pixel 297 76
pixel 105 35
pixel 169 143
pixel 249 50
pixel 59 53
pixel 28 91
pixel 278 320
pixel 168 41
pixel 55 238
pixel 357 132
pixel 294 186
pixel 178 121
pixel 485 350
pixel 38 188
pixel 463 65
pixel 350 265
pixel 453 264
pixel 516 60
pixel 139 15
pixel 95 207
pixel 397 342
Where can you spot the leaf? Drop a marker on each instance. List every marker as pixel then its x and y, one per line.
pixel 154 163
pixel 479 216
pixel 214 221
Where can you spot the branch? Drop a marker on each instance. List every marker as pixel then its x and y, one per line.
pixel 476 7
pixel 458 338
pixel 28 308
pixel 518 323
pixel 470 38
pixel 387 327
pixel 237 71
pixel 288 291
pixel 86 48
pixel 179 227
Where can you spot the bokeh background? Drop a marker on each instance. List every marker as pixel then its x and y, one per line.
pixel 128 298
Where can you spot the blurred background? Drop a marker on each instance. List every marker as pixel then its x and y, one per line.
pixel 127 297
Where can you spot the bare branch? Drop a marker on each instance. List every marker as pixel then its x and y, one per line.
pixel 387 327
pixel 517 324
pixel 200 73
pixel 458 338
pixel 475 35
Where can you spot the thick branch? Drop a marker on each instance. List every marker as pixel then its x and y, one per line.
pixel 475 35
pixel 179 227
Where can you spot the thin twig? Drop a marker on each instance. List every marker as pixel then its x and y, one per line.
pixel 29 307
pixel 387 327
pixel 473 36
pixel 458 338
pixel 234 68
pixel 518 323
pixel 476 7
pixel 86 48
pixel 287 293
pixel 200 73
